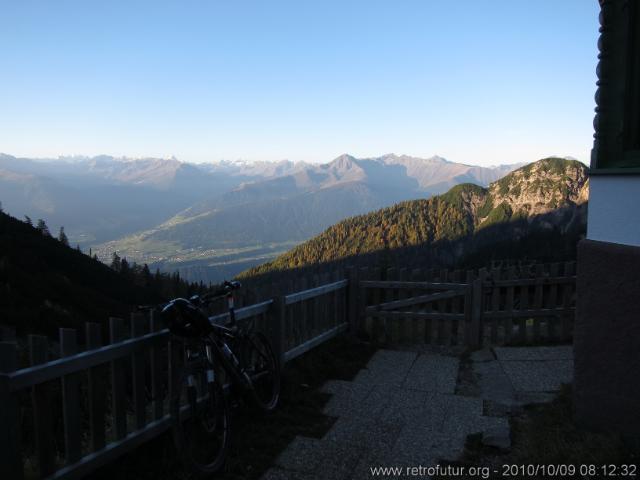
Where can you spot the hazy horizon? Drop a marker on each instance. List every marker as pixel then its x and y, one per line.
pixel 80 157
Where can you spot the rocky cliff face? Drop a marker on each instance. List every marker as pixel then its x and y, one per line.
pixel 542 187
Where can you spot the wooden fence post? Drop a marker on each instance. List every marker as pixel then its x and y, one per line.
pixel 118 389
pixel 524 305
pixel 568 317
pixel 456 305
pixel 156 370
pixel 476 313
pixel 302 318
pixel 537 302
pixel 495 305
pixel 43 424
pixel 444 326
pixel 70 399
pixel 362 324
pixel 387 323
pixel 97 390
pixel 335 299
pixel 175 358
pixel 418 326
pixel 430 325
pixel 315 308
pixel 376 323
pixel 404 323
pixel 278 327
pixel 325 307
pixel 352 299
pixel 468 302
pixel 508 305
pixel 10 454
pixel 139 327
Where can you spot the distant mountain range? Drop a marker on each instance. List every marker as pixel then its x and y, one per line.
pixel 276 206
pixel 538 210
pixel 103 198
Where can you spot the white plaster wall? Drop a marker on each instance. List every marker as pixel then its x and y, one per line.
pixel 614 209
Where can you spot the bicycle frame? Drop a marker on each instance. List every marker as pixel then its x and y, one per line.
pixel 217 349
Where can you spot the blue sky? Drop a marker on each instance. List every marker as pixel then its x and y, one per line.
pixel 480 82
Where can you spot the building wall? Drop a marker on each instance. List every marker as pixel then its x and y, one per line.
pixel 614 209
pixel 606 339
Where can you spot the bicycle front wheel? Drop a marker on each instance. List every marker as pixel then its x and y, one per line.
pixel 201 418
pixel 263 368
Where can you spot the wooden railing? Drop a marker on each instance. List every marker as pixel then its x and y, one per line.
pixel 65 417
pixel 472 308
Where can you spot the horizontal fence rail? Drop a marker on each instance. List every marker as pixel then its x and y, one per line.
pixel 314 292
pixel 86 408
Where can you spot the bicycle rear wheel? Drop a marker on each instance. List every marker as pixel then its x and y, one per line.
pixel 263 367
pixel 201 420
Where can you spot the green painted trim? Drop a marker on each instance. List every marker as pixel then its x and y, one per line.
pixel 614 171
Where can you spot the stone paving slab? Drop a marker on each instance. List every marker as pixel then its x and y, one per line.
pixel 300 455
pixel 482 355
pixel 391 359
pixel 280 474
pixel 407 405
pixel 414 447
pixel 539 376
pixel 361 432
pixel 493 382
pixel 386 367
pixel 462 416
pixel 507 354
pixel 459 406
pixel 376 449
pixel 472 424
pixel 348 398
pixel 350 440
pixel 433 373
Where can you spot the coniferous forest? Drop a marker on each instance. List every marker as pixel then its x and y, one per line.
pixel 45 284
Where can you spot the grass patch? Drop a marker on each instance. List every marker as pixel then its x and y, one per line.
pixel 547 435
pixel 258 439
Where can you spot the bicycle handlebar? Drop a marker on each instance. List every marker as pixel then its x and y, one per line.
pixel 201 300
pixel 226 289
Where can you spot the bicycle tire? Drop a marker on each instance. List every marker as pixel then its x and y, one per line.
pixel 263 367
pixel 201 421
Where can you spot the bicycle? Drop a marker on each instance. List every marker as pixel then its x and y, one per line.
pixel 200 407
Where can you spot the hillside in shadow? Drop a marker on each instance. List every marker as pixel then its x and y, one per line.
pixel 45 284
pixel 549 237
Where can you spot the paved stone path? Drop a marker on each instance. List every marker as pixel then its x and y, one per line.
pixel 403 410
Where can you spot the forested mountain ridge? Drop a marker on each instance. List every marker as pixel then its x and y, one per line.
pixel 45 284
pixel 547 194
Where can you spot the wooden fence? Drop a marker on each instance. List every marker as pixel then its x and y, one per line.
pixel 65 417
pixel 524 304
